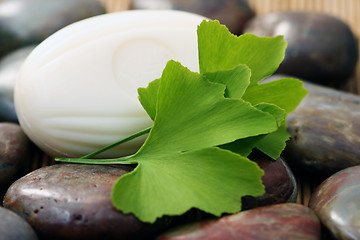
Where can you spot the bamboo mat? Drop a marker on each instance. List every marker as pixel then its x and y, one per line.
pixel 347 10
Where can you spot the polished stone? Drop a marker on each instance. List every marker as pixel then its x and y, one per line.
pixel 278 179
pixel 13 227
pixel 9 68
pixel 73 201
pixel 25 22
pixel 325 131
pixel 281 221
pixel 233 14
pixel 337 203
pixel 320 48
pixel 15 150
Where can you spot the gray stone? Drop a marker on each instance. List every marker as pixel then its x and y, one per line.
pixel 14 153
pixel 13 227
pixel 9 68
pixel 25 22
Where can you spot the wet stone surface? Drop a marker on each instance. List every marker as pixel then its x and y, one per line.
pixel 321 48
pixel 337 203
pixel 25 22
pixel 14 153
pixel 13 227
pixel 72 201
pixel 233 14
pixel 281 221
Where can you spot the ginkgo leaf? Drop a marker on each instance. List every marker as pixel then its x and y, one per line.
pixel 192 114
pixel 204 125
pixel 274 143
pixel 285 93
pixel 210 179
pixel 236 80
pixel 148 97
pixel 262 55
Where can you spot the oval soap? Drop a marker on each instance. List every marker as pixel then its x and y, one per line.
pixel 77 91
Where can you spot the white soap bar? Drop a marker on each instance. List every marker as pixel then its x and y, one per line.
pixel 77 91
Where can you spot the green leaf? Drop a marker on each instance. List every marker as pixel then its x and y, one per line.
pixel 220 50
pixel 192 114
pixel 148 97
pixel 278 113
pixel 236 80
pixel 285 93
pixel 211 179
pixel 192 108
pixel 242 146
pixel 274 143
pixel 180 167
pixel 245 146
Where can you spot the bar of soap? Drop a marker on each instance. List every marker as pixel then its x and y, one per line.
pixel 77 91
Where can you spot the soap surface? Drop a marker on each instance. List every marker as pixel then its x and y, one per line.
pixel 77 90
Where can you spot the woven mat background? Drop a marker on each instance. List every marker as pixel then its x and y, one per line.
pixel 347 10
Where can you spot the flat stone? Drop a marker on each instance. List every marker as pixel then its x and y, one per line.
pixel 14 153
pixel 281 221
pixel 73 201
pixel 336 202
pixel 13 227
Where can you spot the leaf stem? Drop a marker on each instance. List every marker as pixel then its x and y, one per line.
pixel 138 134
pixel 86 158
pixel 122 160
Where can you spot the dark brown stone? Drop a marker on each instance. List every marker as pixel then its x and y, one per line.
pixel 321 48
pixel 325 131
pixel 232 13
pixel 281 221
pixel 278 179
pixel 337 203
pixel 73 201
